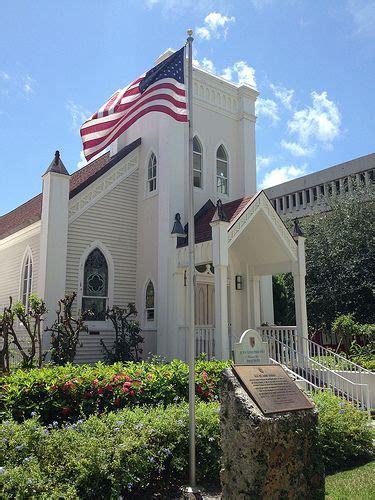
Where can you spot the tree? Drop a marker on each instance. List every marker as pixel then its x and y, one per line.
pixel 127 338
pixel 340 263
pixel 65 331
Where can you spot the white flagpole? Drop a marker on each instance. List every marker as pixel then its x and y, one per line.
pixel 191 238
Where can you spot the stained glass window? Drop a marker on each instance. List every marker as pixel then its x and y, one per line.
pixel 150 302
pixel 222 170
pixel 27 278
pixel 95 285
pixel 151 173
pixel 197 162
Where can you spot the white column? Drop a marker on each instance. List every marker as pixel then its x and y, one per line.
pixel 266 300
pixel 299 274
pixel 176 313
pixel 220 262
pixel 246 130
pixel 253 298
pixel 53 245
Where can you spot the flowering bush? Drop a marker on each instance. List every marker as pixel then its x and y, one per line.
pixel 66 393
pixel 129 453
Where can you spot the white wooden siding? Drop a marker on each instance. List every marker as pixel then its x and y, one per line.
pixel 11 259
pixel 113 221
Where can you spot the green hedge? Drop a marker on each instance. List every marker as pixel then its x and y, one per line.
pixel 66 393
pixel 122 453
pixel 344 432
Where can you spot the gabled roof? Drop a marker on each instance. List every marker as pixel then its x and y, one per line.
pixel 204 216
pixel 31 211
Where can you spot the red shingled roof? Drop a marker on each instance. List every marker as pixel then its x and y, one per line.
pixel 31 211
pixel 232 210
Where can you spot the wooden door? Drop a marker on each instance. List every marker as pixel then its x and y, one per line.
pixel 204 304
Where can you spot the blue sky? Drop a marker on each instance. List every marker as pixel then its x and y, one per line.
pixel 312 62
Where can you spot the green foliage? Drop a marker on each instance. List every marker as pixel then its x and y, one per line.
pixel 127 342
pixel 340 262
pixel 344 433
pixel 65 393
pixel 283 299
pixel 125 453
pixel 346 329
pixel 65 331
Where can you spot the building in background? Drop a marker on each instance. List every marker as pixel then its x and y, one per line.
pixel 304 195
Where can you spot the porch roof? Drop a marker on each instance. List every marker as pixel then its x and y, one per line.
pixel 203 217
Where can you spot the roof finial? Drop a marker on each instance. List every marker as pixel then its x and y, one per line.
pixel 57 157
pixel 220 211
pixel 297 231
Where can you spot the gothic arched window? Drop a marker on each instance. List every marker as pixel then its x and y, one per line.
pixel 27 279
pixel 151 173
pixel 222 170
pixel 197 162
pixel 150 301
pixel 95 285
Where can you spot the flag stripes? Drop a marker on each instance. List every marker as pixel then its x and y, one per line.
pixel 165 94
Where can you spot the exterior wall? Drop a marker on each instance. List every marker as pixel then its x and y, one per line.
pixel 302 196
pixel 12 251
pixel 112 220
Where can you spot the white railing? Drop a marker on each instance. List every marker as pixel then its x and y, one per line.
pixel 301 356
pixel 204 340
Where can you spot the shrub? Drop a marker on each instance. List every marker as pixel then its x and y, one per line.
pixel 125 453
pixel 66 393
pixel 345 436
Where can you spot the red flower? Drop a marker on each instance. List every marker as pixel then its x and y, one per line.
pixel 117 401
pixel 205 376
pixel 95 382
pixel 100 390
pixel 128 384
pixel 132 393
pixel 199 389
pixel 66 411
pixel 68 386
pixel 125 389
pixel 127 378
pixel 207 394
pixel 109 388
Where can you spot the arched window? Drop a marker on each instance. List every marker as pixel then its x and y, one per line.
pixel 150 302
pixel 95 286
pixel 27 279
pixel 197 162
pixel 151 173
pixel 222 170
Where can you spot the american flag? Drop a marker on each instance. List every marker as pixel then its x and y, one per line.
pixel 161 89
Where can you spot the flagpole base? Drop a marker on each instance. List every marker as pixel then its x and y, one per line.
pixel 192 491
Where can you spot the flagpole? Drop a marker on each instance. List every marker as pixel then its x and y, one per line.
pixel 191 238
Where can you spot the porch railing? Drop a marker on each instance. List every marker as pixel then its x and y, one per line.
pixel 321 367
pixel 204 340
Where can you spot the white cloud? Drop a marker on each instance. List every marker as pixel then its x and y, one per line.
pixel 264 161
pixel 78 114
pixel 363 13
pixel 281 174
pixel 268 108
pixel 320 122
pixel 284 95
pixel 4 75
pixel 82 161
pixel 206 64
pixel 297 149
pixel 28 85
pixel 240 72
pixel 215 26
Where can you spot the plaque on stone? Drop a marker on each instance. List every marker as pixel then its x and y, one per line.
pixel 272 389
pixel 251 350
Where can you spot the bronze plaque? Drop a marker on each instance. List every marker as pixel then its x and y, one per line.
pixel 271 388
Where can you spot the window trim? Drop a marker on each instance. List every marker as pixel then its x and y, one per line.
pixel 146 323
pixel 220 195
pixel 96 325
pixel 148 193
pixel 196 136
pixel 26 255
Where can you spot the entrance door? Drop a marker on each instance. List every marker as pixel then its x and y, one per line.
pixel 204 304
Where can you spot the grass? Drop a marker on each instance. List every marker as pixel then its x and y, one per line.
pixel 353 484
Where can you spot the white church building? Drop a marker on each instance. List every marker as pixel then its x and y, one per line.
pixel 114 232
